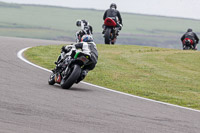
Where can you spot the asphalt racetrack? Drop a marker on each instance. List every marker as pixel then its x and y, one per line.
pixel 29 105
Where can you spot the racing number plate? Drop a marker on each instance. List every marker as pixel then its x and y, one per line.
pixel 84 59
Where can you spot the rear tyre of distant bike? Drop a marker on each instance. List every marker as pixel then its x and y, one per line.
pixel 74 74
pixel 186 48
pixel 107 36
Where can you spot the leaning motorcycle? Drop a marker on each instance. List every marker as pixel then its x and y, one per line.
pixel 110 31
pixel 188 44
pixel 71 68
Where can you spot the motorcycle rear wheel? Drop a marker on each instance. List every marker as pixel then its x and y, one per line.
pixel 74 75
pixel 187 48
pixel 107 36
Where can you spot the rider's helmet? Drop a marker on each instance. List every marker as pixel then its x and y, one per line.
pixel 113 5
pixel 189 30
pixel 78 23
pixel 87 38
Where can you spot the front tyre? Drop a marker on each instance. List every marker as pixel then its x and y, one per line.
pixel 51 80
pixel 74 75
pixel 107 36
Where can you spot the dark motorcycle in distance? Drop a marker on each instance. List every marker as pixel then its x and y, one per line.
pixel 71 69
pixel 110 31
pixel 188 44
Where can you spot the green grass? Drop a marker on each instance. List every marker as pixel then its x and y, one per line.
pixel 162 74
pixel 39 21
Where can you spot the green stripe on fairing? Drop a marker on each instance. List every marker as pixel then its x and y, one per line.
pixel 76 55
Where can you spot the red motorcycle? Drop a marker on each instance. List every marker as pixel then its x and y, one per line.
pixel 188 44
pixel 110 31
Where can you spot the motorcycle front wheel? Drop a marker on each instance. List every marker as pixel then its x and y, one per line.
pixel 75 73
pixel 51 80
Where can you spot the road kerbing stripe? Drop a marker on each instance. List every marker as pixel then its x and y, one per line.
pixel 19 55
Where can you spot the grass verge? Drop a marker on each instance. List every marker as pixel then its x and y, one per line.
pixel 157 73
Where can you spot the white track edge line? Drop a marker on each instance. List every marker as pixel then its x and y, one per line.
pixel 20 56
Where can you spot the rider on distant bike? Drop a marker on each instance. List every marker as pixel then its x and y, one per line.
pixel 86 29
pixel 115 15
pixel 190 35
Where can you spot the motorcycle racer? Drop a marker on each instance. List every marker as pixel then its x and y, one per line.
pixel 87 45
pixel 86 29
pixel 115 15
pixel 190 35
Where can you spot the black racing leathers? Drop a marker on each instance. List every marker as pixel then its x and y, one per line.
pixel 93 52
pixel 112 13
pixel 190 35
pixel 91 47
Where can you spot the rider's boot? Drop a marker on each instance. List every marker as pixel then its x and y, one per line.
pixel 82 76
pixel 117 33
pixel 104 29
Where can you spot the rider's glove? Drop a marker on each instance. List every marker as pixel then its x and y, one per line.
pixel 63 49
pixel 68 48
